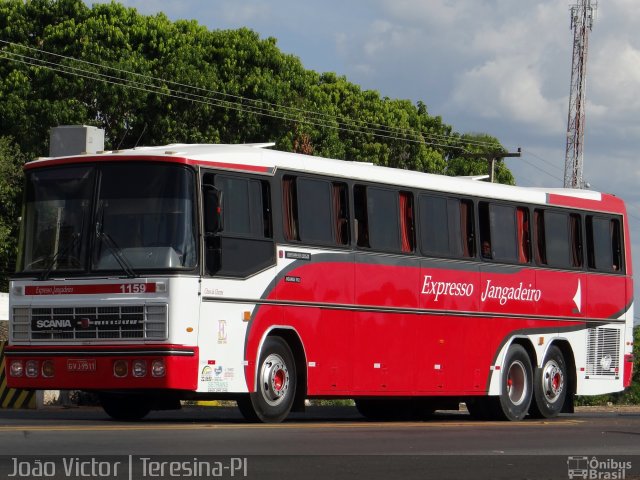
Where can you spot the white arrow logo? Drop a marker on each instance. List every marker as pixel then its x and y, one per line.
pixel 577 298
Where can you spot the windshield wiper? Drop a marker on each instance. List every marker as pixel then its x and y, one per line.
pixel 59 254
pixel 116 251
pixel 113 247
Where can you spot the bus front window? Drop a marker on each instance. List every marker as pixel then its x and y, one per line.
pixel 130 216
pixel 145 214
pixel 56 219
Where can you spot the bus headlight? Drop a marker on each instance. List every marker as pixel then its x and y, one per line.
pixel 48 370
pixel 17 368
pixel 139 368
pixel 120 368
pixel 31 368
pixel 158 368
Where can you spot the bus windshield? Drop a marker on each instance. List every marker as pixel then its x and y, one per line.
pixel 130 217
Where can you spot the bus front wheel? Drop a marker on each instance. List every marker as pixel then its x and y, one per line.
pixel 275 386
pixel 550 385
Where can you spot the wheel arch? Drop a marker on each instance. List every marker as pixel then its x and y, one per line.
pixel 494 386
pixel 525 343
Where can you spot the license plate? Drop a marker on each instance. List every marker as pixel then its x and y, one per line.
pixel 81 365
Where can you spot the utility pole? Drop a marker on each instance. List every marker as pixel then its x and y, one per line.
pixel 491 158
pixel 582 16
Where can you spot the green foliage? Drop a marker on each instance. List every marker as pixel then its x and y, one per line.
pixel 631 395
pixel 11 161
pixel 163 60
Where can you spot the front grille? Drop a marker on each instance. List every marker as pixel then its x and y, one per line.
pixel 121 322
pixel 603 352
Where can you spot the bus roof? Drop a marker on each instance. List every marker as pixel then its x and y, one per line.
pixel 255 158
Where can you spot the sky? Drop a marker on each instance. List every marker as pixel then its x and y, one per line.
pixel 500 67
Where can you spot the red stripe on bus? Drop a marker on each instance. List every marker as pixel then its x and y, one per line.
pixel 608 203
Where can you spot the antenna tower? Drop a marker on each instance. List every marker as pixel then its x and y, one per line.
pixel 582 16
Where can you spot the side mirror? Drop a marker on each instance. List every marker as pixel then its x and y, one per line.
pixel 212 203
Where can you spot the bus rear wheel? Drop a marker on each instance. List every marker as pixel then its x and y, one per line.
pixel 275 387
pixel 517 385
pixel 125 407
pixel 550 385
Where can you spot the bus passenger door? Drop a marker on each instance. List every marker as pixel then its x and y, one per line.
pixel 239 259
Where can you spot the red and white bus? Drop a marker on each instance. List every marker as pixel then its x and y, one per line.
pixel 237 272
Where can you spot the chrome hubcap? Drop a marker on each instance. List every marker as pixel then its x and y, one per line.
pixel 274 379
pixel 552 381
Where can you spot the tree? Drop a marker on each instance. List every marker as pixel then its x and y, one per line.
pixel 11 178
pixel 162 81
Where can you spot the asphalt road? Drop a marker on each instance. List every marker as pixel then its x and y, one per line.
pixel 326 442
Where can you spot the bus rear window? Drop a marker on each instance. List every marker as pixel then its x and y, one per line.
pixel 604 246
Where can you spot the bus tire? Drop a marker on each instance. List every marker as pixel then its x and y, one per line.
pixel 127 408
pixel 517 385
pixel 275 386
pixel 550 385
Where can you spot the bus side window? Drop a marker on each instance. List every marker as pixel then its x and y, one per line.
pixel 539 237
pixel 384 219
pixel 486 251
pixel 362 223
pixel 559 239
pixel 315 211
pixel 616 246
pixel 407 228
pixel 290 208
pixel 446 226
pixel 315 224
pixel 467 228
pixel 575 224
pixel 435 225
pixel 498 232
pixel 245 245
pixel 524 238
pixel 604 247
pixel 340 203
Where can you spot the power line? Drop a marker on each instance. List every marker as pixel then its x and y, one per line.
pixel 214 92
pixel 226 104
pixel 97 76
pixel 537 167
pixel 529 152
pixel 236 104
pixel 257 107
